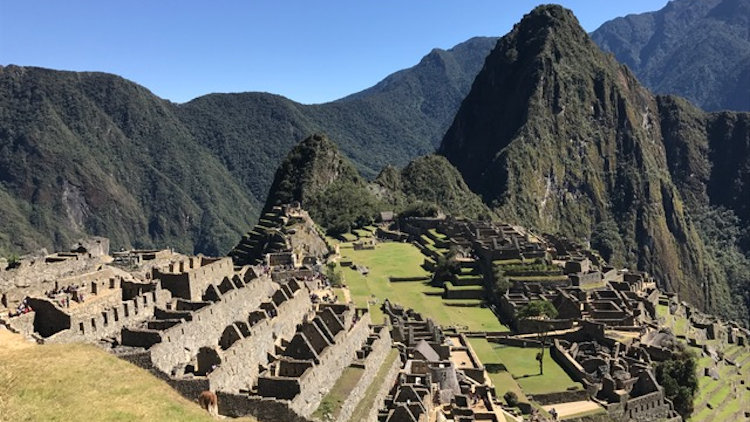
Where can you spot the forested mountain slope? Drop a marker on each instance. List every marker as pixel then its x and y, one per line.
pixel 92 153
pixel 698 49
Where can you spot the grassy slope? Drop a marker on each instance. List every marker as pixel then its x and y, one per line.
pixel 404 260
pixel 82 382
pixel 719 393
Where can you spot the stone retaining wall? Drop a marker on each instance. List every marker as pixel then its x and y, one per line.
pixel 373 362
pixel 315 383
pixel 181 342
pixel 384 390
pixel 239 366
pixel 263 409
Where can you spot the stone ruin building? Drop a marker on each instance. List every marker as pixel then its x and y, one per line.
pixel 442 379
pixel 605 315
pixel 625 301
pixel 618 376
pixel 252 326
pixel 79 295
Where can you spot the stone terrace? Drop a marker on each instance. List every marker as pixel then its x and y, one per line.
pixel 308 365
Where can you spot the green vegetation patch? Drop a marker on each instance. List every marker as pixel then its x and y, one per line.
pixel 522 364
pixel 362 233
pixel 437 234
pixel 330 406
pixel 347 237
pixel 392 259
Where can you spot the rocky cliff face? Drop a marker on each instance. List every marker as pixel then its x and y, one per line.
pixel 557 135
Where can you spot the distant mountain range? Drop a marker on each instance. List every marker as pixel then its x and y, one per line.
pixel 698 49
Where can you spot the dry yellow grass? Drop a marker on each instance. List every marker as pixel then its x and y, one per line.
pixel 80 382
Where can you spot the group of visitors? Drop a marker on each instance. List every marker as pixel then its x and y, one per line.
pixel 23 308
pixel 327 298
pixel 63 295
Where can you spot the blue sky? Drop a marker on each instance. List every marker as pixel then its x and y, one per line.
pixel 309 51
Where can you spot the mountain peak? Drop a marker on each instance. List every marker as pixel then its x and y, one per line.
pixel 547 22
pixel 558 136
pixel 310 167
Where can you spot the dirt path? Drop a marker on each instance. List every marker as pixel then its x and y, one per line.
pixel 565 410
pixel 347 295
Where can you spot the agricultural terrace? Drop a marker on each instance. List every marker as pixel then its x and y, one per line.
pixel 403 260
pixel 716 399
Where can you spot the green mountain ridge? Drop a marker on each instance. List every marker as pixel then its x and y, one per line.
pixel 78 156
pixel 558 136
pixel 92 153
pixel 326 183
pixel 699 49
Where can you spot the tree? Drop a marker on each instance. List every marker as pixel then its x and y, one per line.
pixel 446 268
pixel 334 277
pixel 511 398
pixel 420 209
pixel 606 239
pixel 540 310
pixel 677 376
pixel 502 283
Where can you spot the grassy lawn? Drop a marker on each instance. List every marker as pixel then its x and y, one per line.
pixel 594 286
pixel 501 378
pixel 82 382
pixel 500 262
pixel 362 233
pixel 404 260
pixel 452 286
pixel 437 234
pixel 368 400
pixel 521 364
pixel 680 326
pixel 331 404
pixel 348 237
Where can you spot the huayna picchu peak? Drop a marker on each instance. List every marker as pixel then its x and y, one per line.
pixel 557 135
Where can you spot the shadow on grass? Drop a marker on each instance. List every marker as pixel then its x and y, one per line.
pixel 528 376
pixel 495 368
pixel 463 305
